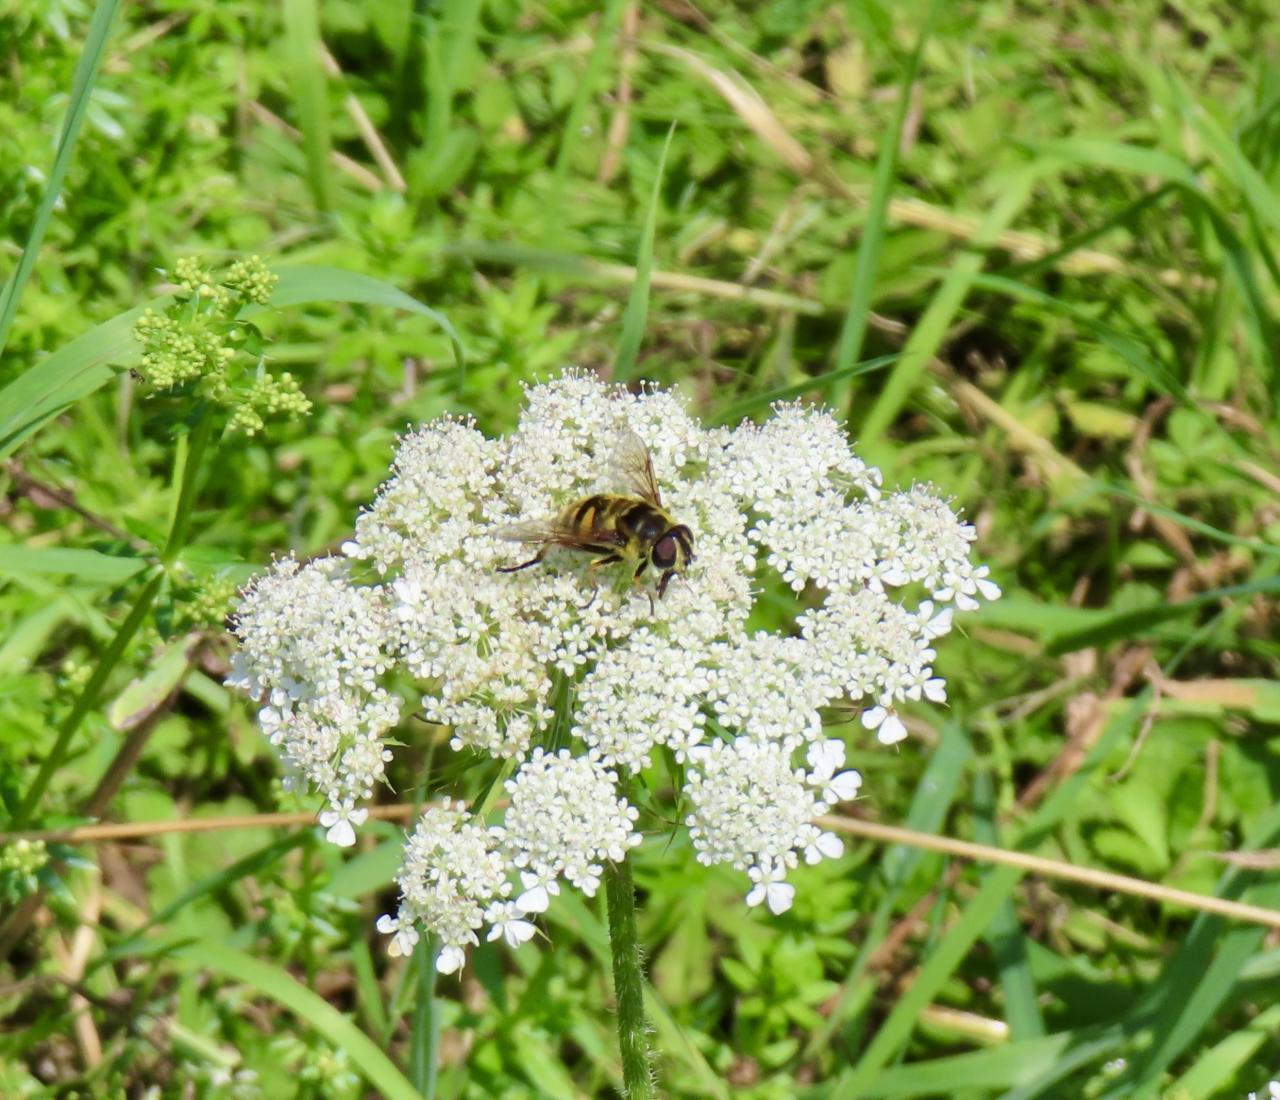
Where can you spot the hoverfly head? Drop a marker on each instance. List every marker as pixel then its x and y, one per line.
pixel 674 551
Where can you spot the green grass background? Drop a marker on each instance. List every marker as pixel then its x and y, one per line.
pixel 1027 249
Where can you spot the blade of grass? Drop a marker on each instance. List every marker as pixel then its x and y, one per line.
pixel 1230 159
pixel 369 993
pixel 73 371
pixel 941 963
pixel 309 85
pixel 311 1010
pixel 1119 156
pixel 86 74
pixel 87 566
pixel 637 312
pixel 930 804
pixel 572 129
pixel 1217 1067
pixel 1005 1066
pixel 853 329
pixel 1201 975
pixel 978 914
pixel 1240 265
pixel 784 393
pixel 1125 345
pixel 927 336
pixel 257 862
pixel 449 36
pixel 571 912
pixel 1022 1009
pixel 309 283
pixel 424 1033
pixel 1130 218
pixel 1137 624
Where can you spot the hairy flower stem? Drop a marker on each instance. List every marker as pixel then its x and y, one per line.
pixel 628 983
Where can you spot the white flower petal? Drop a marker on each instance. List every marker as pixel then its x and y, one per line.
pixel 891 730
pixel 450 959
pixel 780 896
pixel 844 787
pixel 534 901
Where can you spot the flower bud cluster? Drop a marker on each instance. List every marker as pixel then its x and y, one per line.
pixel 199 340
pixel 579 677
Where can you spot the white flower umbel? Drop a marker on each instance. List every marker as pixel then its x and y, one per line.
pixel 578 678
pixel 312 653
pixel 752 810
pixel 453 878
pixel 565 819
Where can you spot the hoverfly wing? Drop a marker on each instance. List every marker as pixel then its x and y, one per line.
pixel 530 531
pixel 633 467
pixel 555 532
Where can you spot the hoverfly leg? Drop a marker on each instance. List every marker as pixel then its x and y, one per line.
pixel 608 559
pixel 524 565
pixel 666 580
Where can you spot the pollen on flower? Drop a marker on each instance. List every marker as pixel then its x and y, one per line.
pixel 579 678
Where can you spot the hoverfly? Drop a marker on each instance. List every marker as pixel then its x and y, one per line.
pixel 633 527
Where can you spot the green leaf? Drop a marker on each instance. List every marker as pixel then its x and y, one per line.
pixel 90 566
pixel 947 954
pixel 311 1010
pixel 637 312
pixel 1002 1067
pixel 853 328
pixel 762 401
pixel 310 95
pixel 1217 1067
pixel 930 804
pixel 104 12
pixel 142 695
pixel 1005 936
pixel 1126 346
pixel 305 284
pixel 73 371
pixel 1197 981
pixel 1127 625
pixel 1137 160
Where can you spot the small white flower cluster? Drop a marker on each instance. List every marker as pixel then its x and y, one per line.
pixel 1272 1093
pixel 494 655
pixel 312 651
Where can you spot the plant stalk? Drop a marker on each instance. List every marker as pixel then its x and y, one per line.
pixel 628 983
pixel 201 435
pixel 87 700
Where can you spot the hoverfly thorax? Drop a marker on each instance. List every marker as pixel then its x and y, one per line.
pixel 634 527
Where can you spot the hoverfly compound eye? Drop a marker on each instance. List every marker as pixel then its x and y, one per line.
pixel 664 552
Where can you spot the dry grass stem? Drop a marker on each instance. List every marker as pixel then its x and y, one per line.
pixel 885 834
pixel 1052 868
pixel 368 132
pixel 620 123
pixel 341 161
